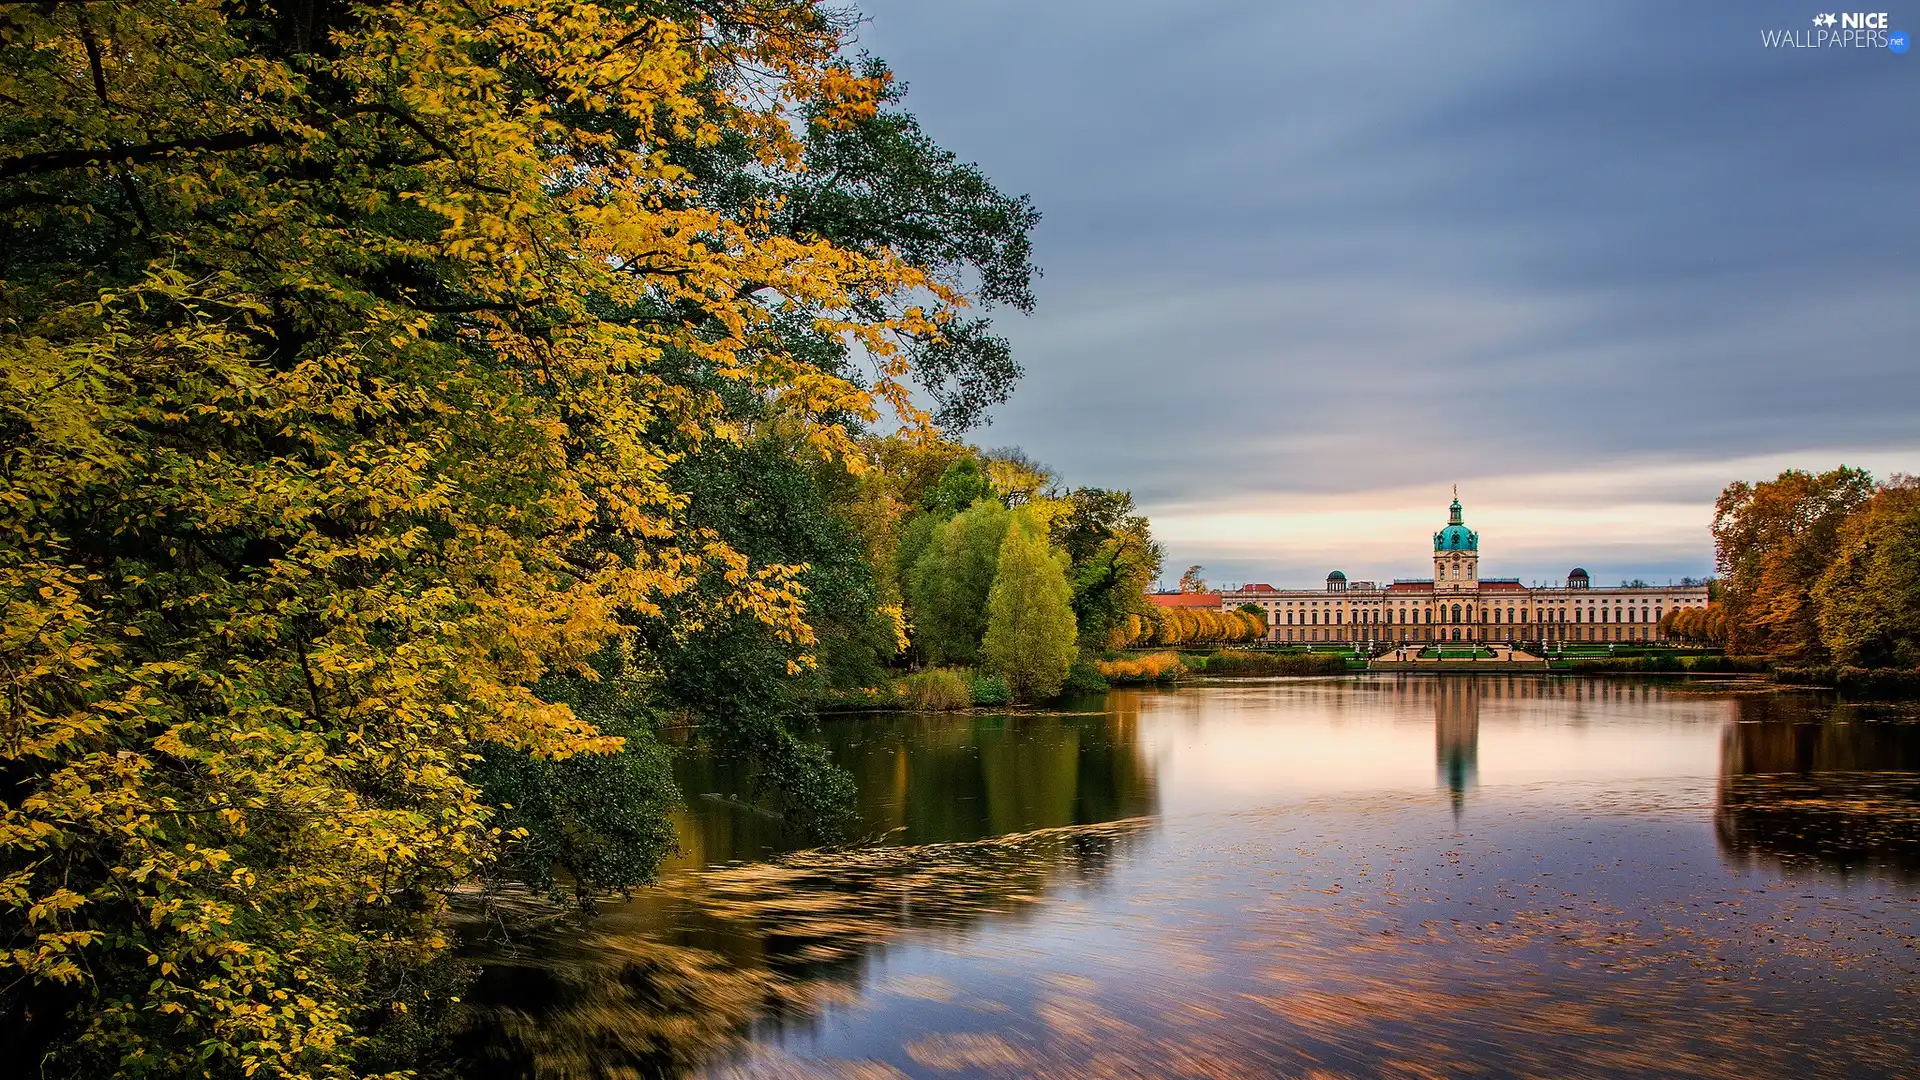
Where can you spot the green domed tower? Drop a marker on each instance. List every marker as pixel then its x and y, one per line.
pixel 1456 554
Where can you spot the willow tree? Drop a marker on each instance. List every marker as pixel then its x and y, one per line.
pixel 345 351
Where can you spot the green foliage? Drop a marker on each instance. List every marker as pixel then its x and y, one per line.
pixel 989 689
pixel 947 588
pixel 731 488
pixel 1247 662
pixel 597 821
pixel 1084 678
pixel 1030 630
pixel 1881 684
pixel 936 689
pixel 963 484
pixel 1113 559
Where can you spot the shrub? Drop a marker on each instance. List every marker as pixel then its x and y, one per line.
pixel 1152 668
pixel 990 690
pixel 937 690
pixel 1248 662
pixel 885 696
pixel 1084 678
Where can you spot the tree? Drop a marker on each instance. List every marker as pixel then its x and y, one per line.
pixel 875 183
pixel 1772 542
pixel 1030 630
pixel 1018 480
pixel 1869 597
pixel 1191 581
pixel 349 352
pixel 962 484
pixel 1112 559
pixel 950 581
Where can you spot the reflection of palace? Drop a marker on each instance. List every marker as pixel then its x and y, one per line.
pixel 1456 735
pixel 1457 604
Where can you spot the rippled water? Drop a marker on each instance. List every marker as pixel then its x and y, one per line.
pixel 1494 876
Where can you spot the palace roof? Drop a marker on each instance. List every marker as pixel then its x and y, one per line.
pixel 1185 599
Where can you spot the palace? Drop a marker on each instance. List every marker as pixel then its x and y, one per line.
pixel 1458 604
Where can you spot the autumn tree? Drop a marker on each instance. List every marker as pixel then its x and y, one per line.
pixel 354 360
pixel 1030 632
pixel 1191 581
pixel 1869 597
pixel 1772 542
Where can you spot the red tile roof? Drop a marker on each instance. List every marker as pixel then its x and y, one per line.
pixel 1185 599
pixel 1507 586
pixel 1411 586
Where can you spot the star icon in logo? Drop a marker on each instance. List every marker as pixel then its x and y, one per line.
pixel 1824 20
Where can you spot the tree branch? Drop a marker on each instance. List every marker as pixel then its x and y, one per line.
pixel 56 160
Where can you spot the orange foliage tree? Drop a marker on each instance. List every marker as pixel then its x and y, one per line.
pixel 1772 542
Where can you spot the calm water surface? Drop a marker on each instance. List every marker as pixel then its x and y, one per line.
pixel 1495 876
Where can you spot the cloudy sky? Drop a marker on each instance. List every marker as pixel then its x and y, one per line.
pixel 1307 266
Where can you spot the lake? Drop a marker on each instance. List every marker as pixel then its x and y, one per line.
pixel 1401 876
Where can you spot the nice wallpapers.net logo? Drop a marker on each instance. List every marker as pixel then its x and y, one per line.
pixel 1840 30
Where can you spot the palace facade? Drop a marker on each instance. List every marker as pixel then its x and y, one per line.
pixel 1458 604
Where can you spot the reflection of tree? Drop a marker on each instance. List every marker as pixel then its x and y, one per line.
pixel 660 983
pixel 1811 783
pixel 1456 735
pixel 934 779
pixel 983 814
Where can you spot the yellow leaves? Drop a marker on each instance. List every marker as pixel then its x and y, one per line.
pixel 355 526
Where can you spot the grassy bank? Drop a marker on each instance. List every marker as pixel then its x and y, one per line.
pixel 1652 663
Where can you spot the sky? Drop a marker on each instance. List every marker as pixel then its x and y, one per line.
pixel 1308 266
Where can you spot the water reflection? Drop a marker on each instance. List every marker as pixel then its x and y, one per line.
pixel 685 970
pixel 1269 878
pixel 941 778
pixel 1811 784
pixel 1456 735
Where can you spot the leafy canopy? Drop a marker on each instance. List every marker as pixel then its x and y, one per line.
pixel 348 352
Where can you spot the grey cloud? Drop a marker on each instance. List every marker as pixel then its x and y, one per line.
pixel 1320 248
